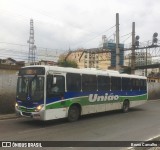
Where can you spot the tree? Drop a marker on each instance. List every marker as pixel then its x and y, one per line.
pixel 67 63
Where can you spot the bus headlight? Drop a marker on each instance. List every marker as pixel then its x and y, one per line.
pixel 16 105
pixel 39 108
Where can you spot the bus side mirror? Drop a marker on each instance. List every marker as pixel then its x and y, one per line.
pixel 54 80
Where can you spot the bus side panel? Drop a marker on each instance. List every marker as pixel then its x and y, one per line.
pixel 101 107
pixel 137 103
pixel 56 113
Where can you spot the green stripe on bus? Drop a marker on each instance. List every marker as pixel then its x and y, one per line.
pixel 83 101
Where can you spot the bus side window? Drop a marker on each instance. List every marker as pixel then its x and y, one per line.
pixel 89 83
pixel 55 89
pixel 103 83
pixel 135 84
pixel 49 85
pixel 49 81
pixel 60 83
pixel 143 85
pixel 73 82
pixel 126 84
pixel 115 83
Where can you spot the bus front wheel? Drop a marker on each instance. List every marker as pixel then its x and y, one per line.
pixel 125 107
pixel 73 113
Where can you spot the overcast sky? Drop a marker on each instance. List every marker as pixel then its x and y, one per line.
pixel 60 24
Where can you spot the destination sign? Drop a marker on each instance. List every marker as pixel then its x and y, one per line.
pixel 32 71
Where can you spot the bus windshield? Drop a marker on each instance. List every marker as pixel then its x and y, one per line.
pixel 30 88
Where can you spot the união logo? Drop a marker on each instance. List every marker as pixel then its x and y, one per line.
pixel 101 98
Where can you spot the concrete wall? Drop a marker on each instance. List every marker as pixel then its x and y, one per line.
pixel 8 79
pixel 153 90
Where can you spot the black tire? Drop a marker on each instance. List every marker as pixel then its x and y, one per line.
pixel 73 113
pixel 125 107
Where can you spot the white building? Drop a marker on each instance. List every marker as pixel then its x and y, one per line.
pixel 141 59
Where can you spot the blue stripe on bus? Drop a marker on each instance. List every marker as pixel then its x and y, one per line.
pixel 69 95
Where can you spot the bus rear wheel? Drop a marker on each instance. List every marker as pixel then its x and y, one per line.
pixel 125 107
pixel 73 113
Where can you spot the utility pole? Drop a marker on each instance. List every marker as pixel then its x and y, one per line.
pixel 146 64
pixel 117 43
pixel 133 49
pixel 32 47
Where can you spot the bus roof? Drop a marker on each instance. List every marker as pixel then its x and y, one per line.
pixel 93 71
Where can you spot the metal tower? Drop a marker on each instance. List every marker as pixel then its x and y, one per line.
pixel 32 47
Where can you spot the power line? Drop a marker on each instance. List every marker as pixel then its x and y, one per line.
pixel 126 34
pixel 14 44
pixel 127 38
pixel 22 55
pixel 38 47
pixel 84 42
pixel 24 18
pixel 45 13
pixel 111 35
pixel 3 50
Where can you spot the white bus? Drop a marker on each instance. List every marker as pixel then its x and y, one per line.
pixel 50 92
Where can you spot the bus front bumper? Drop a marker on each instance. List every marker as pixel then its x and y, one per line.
pixel 34 115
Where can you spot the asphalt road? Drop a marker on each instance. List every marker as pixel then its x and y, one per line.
pixel 141 123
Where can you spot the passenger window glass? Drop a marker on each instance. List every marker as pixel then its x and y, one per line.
pixel 55 89
pixel 135 84
pixel 103 83
pixel 73 82
pixel 143 85
pixel 126 83
pixel 115 83
pixel 89 83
